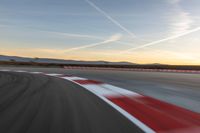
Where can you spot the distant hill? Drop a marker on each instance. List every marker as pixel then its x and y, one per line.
pixel 58 61
pixel 156 64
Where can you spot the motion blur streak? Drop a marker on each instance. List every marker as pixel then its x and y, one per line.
pixel 160 116
pixel 39 103
pixel 178 95
pixel 156 114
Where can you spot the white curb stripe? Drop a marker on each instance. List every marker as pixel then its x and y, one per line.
pixel 73 78
pixel 137 122
pixel 53 74
pixel 100 91
pixel 120 90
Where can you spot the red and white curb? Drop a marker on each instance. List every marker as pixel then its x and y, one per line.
pixel 149 114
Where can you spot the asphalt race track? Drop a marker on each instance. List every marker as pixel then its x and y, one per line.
pixel 41 104
pixel 181 89
pixel 32 103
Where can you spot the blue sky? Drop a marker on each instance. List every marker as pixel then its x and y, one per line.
pixel 102 30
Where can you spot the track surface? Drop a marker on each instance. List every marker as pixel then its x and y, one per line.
pixel 41 104
pixel 176 88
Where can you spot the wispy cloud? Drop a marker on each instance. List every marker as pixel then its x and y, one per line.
pixel 180 25
pixel 113 38
pixel 3 25
pixel 180 20
pixel 163 40
pixel 174 1
pixel 111 19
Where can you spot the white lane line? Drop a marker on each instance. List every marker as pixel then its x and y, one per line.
pixel 134 120
pixel 101 91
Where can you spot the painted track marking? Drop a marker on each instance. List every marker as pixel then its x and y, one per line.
pixel 149 114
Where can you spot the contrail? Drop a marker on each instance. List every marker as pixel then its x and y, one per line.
pixel 109 40
pixel 76 35
pixel 110 18
pixel 162 40
pixel 73 35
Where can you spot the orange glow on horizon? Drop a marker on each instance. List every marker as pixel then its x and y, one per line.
pixel 136 57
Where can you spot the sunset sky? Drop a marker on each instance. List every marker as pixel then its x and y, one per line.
pixel 140 31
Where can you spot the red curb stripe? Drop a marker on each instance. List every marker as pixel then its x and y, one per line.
pixel 151 114
pixel 87 82
pixel 158 115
